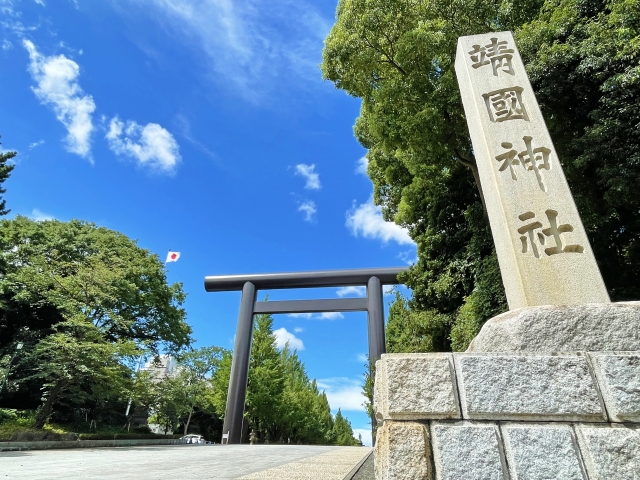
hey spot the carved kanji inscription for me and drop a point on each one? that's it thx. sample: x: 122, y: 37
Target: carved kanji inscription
x: 534, y: 237
x: 542, y: 247
x: 495, y: 53
x: 505, y: 104
x: 532, y: 159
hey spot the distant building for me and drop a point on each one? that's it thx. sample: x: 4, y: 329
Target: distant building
x: 160, y: 368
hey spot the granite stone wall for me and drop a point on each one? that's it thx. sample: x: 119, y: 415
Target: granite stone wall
x: 508, y: 416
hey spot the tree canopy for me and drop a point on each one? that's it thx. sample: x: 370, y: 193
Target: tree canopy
x: 84, y: 300
x: 52, y: 271
x: 398, y: 57
x: 283, y: 404
x: 5, y: 172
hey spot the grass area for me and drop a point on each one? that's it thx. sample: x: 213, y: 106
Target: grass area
x: 17, y: 421
x: 20, y: 421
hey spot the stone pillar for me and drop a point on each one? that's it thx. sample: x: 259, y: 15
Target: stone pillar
x: 544, y: 254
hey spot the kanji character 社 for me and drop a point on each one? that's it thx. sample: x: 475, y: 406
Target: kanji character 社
x: 530, y: 238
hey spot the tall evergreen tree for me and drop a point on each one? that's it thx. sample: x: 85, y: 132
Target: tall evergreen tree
x: 342, y: 431
x: 283, y: 405
x: 5, y: 172
x: 266, y: 380
x: 306, y: 415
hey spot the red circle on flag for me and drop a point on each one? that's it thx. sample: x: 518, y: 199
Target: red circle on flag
x: 173, y: 256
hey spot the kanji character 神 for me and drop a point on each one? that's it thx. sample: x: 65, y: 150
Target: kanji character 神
x: 535, y: 159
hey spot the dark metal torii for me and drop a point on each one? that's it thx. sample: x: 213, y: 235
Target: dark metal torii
x: 372, y: 278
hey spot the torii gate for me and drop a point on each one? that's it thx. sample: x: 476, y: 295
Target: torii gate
x: 372, y: 278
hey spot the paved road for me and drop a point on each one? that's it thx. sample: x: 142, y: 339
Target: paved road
x: 183, y: 462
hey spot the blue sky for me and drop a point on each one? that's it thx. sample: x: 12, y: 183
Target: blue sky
x: 201, y: 126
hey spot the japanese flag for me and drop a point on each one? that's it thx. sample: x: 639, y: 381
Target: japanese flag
x: 172, y: 256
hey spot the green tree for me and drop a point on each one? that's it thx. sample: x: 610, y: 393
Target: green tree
x: 266, y: 380
x: 5, y: 172
x: 342, y: 431
x: 216, y: 398
x: 367, y: 391
x: 170, y: 403
x: 77, y: 354
x: 305, y: 411
x: 282, y: 404
x: 195, y: 369
x: 583, y: 59
x: 398, y: 57
x: 73, y: 283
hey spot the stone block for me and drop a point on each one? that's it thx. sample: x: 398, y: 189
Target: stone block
x: 527, y: 387
x: 467, y: 451
x: 618, y: 376
x: 402, y: 452
x: 415, y: 386
x: 610, y: 452
x: 567, y: 328
x: 542, y: 451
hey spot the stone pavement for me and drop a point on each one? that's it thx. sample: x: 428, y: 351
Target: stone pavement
x: 282, y: 462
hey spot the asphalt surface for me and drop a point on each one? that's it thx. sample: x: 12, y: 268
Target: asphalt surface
x: 281, y: 462
x: 366, y: 471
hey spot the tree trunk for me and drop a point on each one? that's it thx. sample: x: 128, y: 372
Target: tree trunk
x: 471, y: 165
x: 476, y: 177
x: 47, y: 407
x: 186, y: 426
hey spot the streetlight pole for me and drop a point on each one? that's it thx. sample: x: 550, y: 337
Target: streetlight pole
x: 18, y: 348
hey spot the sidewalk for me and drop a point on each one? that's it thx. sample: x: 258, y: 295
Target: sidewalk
x: 250, y: 462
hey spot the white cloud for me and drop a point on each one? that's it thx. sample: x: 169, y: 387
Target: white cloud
x: 366, y: 220
x: 253, y: 46
x: 309, y: 209
x: 6, y: 44
x: 184, y: 127
x: 343, y: 393
x: 409, y: 257
x: 362, y: 357
x: 283, y: 337
x: 36, y: 144
x: 359, y: 291
x: 151, y: 145
x: 40, y: 2
x: 312, y: 178
x: 361, y: 166
x: 57, y: 87
x: 40, y: 216
x: 318, y: 316
x: 366, y: 435
x: 298, y: 330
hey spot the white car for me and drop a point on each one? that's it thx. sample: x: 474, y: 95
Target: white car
x: 192, y: 438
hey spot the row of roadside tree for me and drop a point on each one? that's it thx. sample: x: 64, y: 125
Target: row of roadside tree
x: 80, y: 305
